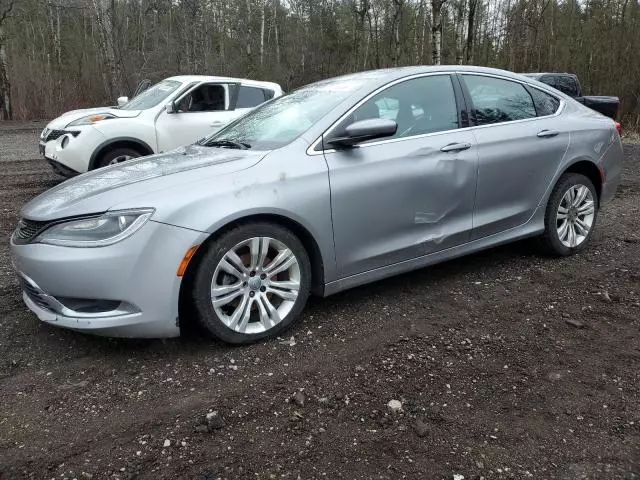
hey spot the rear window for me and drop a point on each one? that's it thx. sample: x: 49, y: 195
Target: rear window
x: 545, y: 104
x: 268, y: 94
x: 249, y: 97
x: 565, y: 83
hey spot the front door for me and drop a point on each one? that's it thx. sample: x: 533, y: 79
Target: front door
x: 521, y: 143
x: 408, y: 195
x: 198, y: 113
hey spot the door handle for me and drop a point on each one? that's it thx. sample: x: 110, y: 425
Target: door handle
x: 216, y: 124
x: 548, y: 133
x: 455, y: 147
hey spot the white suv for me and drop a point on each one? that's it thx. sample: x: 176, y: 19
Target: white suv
x: 175, y: 112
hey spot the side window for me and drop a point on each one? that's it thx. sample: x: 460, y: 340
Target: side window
x: 496, y: 100
x: 545, y: 104
x: 268, y: 94
x: 249, y: 97
x: 205, y: 98
x: 420, y: 105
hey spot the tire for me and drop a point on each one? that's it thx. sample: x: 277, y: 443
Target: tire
x: 117, y: 155
x: 272, y: 307
x: 557, y: 239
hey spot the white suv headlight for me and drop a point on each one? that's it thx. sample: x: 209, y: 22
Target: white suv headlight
x: 91, y: 119
x: 96, y: 231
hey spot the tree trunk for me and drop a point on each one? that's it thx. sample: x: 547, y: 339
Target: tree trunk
x: 115, y: 80
x: 424, y: 30
x: 262, y: 36
x: 436, y: 30
x: 248, y: 39
x: 470, y: 30
x: 395, y: 28
x: 459, y: 26
x: 276, y: 4
x: 5, y: 86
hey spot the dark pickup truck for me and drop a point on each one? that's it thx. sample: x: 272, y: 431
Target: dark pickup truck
x: 569, y: 84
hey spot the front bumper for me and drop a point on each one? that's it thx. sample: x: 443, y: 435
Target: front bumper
x: 71, y: 154
x: 134, y: 282
x: 61, y: 169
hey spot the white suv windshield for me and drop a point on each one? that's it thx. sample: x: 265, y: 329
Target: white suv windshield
x: 153, y: 96
x: 280, y: 121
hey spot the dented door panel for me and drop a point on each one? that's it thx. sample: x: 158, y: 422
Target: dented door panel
x: 401, y: 199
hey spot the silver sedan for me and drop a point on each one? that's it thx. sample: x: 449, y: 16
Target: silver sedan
x: 340, y: 183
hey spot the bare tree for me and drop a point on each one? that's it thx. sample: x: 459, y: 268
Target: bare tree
x: 5, y: 86
x: 436, y: 30
x: 113, y: 78
x: 84, y: 52
x: 473, y: 4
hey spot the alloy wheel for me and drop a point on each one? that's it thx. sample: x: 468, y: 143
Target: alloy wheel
x: 575, y: 215
x: 120, y: 159
x: 255, y: 285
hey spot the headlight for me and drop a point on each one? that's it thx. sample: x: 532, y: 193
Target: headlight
x: 91, y: 119
x: 97, y: 231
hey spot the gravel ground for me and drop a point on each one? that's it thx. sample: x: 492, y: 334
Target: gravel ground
x: 505, y: 364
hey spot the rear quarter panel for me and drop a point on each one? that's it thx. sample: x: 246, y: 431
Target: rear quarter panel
x: 593, y: 139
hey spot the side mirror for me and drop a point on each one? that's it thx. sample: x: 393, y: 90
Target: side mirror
x: 364, y: 130
x: 122, y: 101
x: 170, y: 107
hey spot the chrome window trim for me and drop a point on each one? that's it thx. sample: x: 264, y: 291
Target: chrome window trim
x: 521, y: 82
x: 312, y: 152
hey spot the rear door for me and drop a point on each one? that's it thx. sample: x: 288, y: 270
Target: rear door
x: 245, y: 98
x: 401, y: 197
x: 521, y: 142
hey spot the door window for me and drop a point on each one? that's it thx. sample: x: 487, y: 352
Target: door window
x: 420, y: 105
x: 249, y: 97
x: 496, y: 100
x: 205, y: 98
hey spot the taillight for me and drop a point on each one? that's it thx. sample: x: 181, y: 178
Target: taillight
x: 618, y: 127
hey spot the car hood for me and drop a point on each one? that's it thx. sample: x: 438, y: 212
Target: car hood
x: 66, y: 118
x: 99, y: 190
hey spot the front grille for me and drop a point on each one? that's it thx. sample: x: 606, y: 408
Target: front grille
x: 28, y: 229
x: 54, y: 134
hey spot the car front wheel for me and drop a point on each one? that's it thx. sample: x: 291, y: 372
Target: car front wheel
x: 571, y: 215
x: 251, y: 283
x: 117, y: 155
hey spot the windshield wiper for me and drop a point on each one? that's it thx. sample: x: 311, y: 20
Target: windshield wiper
x: 228, y: 144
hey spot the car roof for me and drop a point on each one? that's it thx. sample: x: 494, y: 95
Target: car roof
x: 213, y: 78
x: 400, y: 72
x: 372, y: 79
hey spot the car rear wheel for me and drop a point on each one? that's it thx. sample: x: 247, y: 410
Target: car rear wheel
x: 117, y: 155
x: 571, y: 215
x: 251, y: 283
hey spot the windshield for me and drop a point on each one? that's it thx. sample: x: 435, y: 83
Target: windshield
x: 280, y: 121
x: 152, y: 96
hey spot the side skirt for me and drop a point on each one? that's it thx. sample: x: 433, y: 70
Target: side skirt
x: 535, y: 226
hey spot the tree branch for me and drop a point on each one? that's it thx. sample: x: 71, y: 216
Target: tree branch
x: 5, y: 13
